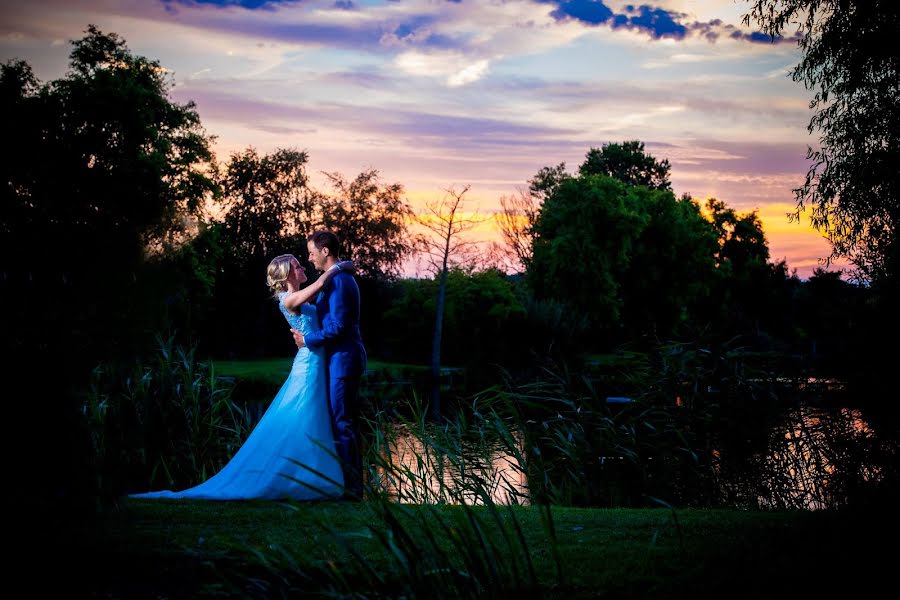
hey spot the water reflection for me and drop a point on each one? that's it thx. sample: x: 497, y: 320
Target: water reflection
x: 812, y: 458
x: 413, y: 471
x: 818, y: 458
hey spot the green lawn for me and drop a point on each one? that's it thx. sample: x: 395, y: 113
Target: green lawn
x: 275, y: 370
x: 172, y: 548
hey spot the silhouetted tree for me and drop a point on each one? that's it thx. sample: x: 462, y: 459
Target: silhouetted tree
x: 743, y: 299
x: 629, y: 163
x: 447, y: 221
x: 372, y: 220
x: 266, y: 198
x: 852, y: 189
x: 107, y: 170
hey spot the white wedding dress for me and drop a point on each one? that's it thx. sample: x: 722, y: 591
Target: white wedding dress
x: 290, y: 454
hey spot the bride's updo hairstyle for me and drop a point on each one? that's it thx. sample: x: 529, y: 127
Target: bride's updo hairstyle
x: 277, y: 272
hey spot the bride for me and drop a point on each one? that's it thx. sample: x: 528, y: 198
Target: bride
x: 290, y: 454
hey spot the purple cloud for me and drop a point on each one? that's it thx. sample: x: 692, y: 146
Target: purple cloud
x: 756, y: 157
x: 252, y: 4
x: 442, y: 130
x: 416, y: 30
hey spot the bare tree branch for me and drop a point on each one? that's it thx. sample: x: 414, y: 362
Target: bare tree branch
x: 446, y: 219
x: 516, y: 222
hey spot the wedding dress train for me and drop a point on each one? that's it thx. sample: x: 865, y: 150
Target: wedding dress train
x: 290, y: 454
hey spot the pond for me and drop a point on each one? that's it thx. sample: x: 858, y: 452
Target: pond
x: 815, y: 451
x: 810, y: 457
x: 813, y: 458
x: 413, y: 470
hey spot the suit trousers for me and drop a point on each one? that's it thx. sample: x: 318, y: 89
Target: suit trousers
x: 344, y: 399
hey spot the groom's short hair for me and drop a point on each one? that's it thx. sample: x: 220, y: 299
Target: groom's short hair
x: 326, y: 239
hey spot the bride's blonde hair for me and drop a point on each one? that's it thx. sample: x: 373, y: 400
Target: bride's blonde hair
x: 278, y: 270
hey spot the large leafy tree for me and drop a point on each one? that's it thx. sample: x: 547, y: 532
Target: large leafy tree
x: 266, y: 198
x: 629, y: 163
x: 371, y: 218
x: 634, y: 260
x: 105, y: 151
x: 105, y: 170
x: 671, y: 268
x: 582, y: 240
x: 849, y: 58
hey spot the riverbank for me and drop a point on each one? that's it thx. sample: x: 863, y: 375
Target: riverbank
x: 174, y: 549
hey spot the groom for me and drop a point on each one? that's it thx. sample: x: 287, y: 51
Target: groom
x: 337, y: 306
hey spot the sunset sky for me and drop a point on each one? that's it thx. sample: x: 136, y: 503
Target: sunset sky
x: 441, y: 93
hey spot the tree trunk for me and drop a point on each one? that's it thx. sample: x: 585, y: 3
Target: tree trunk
x: 434, y: 407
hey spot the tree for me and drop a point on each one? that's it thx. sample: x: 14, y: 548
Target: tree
x: 266, y: 198
x: 852, y: 188
x: 744, y: 297
x: 447, y: 221
x: 633, y: 260
x: 582, y: 241
x: 519, y: 212
x: 671, y: 267
x: 371, y: 219
x: 106, y: 169
x: 628, y: 163
x: 484, y: 321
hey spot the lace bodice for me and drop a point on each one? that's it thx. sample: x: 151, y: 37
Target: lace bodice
x: 306, y: 322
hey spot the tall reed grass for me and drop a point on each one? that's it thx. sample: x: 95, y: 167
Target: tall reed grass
x: 167, y: 422
x: 698, y: 432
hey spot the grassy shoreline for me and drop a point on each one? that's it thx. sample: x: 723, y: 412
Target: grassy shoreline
x: 185, y: 548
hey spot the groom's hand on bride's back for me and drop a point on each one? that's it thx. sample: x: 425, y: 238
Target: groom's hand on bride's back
x: 347, y: 266
x: 298, y: 338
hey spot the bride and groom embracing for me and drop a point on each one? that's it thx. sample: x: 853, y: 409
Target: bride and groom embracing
x: 305, y: 447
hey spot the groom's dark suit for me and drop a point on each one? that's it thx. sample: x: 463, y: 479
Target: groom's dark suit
x: 345, y: 356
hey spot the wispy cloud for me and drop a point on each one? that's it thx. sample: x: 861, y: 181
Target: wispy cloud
x: 434, y: 93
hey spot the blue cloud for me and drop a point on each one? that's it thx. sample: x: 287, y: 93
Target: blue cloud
x: 345, y: 4
x: 415, y: 23
x: 657, y: 22
x: 406, y: 32
x: 758, y: 37
x: 593, y: 12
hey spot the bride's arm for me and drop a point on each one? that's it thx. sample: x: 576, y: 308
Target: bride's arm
x: 293, y: 300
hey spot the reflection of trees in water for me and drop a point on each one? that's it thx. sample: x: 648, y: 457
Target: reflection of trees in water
x: 413, y: 465
x: 807, y: 458
x: 813, y: 458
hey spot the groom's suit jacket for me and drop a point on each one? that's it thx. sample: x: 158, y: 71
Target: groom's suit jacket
x: 338, y: 309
